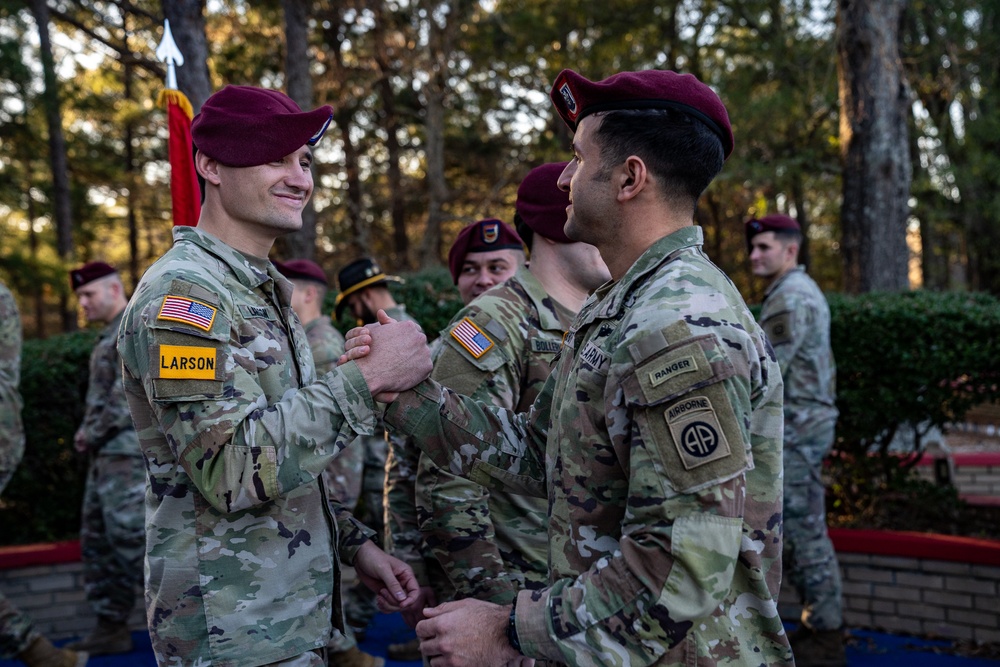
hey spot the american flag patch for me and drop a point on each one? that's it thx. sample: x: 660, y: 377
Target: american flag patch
x: 472, y: 338
x: 188, y: 311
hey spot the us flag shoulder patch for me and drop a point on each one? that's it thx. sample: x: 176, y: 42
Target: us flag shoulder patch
x: 187, y: 311
x: 471, y: 338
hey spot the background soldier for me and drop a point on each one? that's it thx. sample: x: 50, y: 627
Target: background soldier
x: 18, y: 637
x: 796, y: 318
x: 658, y: 435
x: 484, y: 254
x: 112, y: 530
x: 343, y: 474
x: 243, y: 554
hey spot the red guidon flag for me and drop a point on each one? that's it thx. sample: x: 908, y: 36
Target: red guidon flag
x: 184, y: 193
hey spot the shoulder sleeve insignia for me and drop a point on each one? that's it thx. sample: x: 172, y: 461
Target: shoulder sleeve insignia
x: 471, y: 337
x: 187, y: 311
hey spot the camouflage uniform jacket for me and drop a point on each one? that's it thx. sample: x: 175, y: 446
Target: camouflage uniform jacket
x: 11, y: 429
x: 658, y: 438
x: 107, y: 425
x: 796, y: 319
x: 526, y: 329
x: 241, y: 556
x: 325, y: 342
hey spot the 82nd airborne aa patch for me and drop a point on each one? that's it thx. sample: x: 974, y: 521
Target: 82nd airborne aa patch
x: 697, y: 433
x: 471, y: 337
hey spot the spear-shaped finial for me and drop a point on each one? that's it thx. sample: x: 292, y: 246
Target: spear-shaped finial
x: 168, y: 52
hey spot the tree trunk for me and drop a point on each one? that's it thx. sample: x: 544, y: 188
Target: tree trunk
x: 361, y: 232
x: 61, y: 205
x: 437, y: 188
x: 300, y: 244
x: 874, y: 105
x: 187, y: 24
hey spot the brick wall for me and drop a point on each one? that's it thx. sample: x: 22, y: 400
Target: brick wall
x: 895, y: 581
x: 46, y: 582
x: 916, y: 583
x: 976, y: 476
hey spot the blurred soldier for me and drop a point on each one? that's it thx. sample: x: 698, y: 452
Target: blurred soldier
x: 243, y: 553
x: 796, y: 319
x: 484, y: 254
x: 657, y: 438
x: 18, y: 636
x: 342, y: 476
x: 112, y: 530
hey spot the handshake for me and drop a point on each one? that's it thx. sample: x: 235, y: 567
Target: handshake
x: 392, y: 356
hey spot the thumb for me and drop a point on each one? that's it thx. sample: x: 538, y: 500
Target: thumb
x: 383, y: 318
x: 431, y: 612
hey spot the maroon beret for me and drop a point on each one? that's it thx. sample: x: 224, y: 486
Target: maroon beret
x: 356, y: 276
x: 541, y: 204
x: 90, y: 272
x: 302, y: 269
x: 576, y: 97
x: 770, y: 223
x: 244, y: 126
x: 483, y: 236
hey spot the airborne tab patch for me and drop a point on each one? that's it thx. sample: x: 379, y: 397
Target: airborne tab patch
x: 471, y: 338
x: 187, y: 311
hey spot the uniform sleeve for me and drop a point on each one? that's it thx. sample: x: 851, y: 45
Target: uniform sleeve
x: 239, y: 451
x: 787, y: 323
x: 492, y: 446
x: 107, y: 412
x: 684, y: 445
x: 350, y: 531
x: 402, y: 528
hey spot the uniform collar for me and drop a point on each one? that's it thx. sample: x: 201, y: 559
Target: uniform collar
x: 609, y: 300
x: 774, y: 285
x: 548, y: 313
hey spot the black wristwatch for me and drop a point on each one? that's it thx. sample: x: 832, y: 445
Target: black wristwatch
x: 512, y: 628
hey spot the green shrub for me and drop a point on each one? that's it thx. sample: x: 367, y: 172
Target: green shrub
x: 42, y: 502
x: 917, y: 360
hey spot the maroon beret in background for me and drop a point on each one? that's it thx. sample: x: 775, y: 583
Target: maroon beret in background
x: 770, y: 223
x: 356, y: 276
x: 541, y: 204
x: 576, y: 97
x: 482, y: 236
x: 302, y: 269
x: 244, y: 126
x: 90, y: 272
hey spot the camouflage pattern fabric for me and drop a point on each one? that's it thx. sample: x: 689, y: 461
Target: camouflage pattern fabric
x: 241, y: 546
x: 493, y: 544
x: 16, y: 629
x: 112, y: 527
x: 326, y: 343
x: 796, y: 318
x: 658, y: 440
x: 11, y: 428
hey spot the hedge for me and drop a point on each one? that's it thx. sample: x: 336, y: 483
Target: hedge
x: 917, y: 359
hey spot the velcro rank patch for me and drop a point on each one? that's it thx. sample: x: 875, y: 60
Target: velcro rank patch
x: 187, y: 311
x: 697, y: 433
x: 471, y: 337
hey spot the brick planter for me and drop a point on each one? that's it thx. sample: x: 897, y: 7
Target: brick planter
x: 916, y: 583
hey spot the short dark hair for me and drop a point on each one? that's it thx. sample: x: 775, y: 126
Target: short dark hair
x: 788, y: 235
x: 679, y: 149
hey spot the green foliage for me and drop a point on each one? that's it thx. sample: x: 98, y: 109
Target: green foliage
x: 42, y: 502
x: 909, y: 361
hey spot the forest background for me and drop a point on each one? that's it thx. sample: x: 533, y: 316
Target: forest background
x: 872, y: 123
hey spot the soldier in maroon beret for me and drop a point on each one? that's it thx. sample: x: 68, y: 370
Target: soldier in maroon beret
x: 657, y: 437
x: 484, y: 254
x: 236, y: 424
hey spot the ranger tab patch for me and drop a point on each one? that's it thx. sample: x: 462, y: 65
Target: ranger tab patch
x: 187, y: 311
x: 471, y: 337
